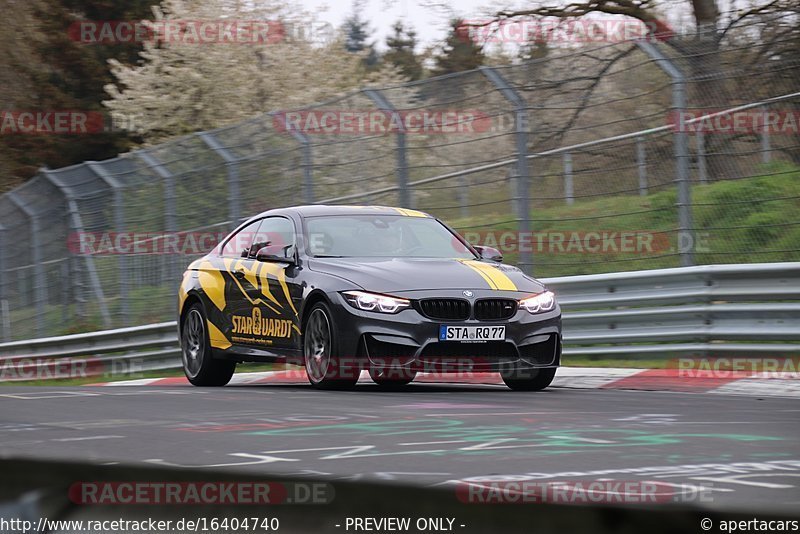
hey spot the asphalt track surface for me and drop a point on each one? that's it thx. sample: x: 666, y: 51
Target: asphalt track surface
x: 716, y: 451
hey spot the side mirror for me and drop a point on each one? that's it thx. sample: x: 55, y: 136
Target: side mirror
x: 489, y: 253
x: 281, y: 253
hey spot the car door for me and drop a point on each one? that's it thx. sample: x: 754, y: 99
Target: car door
x: 270, y: 288
x: 222, y: 284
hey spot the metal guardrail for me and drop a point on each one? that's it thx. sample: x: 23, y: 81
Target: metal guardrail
x: 703, y: 310
x: 123, y: 351
x: 710, y: 309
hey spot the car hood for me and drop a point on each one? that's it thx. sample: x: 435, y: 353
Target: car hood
x: 394, y: 275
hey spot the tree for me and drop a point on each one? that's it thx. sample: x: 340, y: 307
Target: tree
x: 460, y: 51
x: 401, y: 53
x: 357, y: 32
x: 43, y: 68
x: 705, y: 60
x: 181, y: 88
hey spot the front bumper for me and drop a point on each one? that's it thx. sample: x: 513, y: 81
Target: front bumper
x: 410, y: 340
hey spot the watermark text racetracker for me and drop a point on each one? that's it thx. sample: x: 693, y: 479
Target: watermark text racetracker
x: 186, y: 32
x: 378, y: 122
x: 588, y: 29
x: 29, y: 368
x: 603, y: 491
x: 742, y: 122
x: 148, y: 525
x: 200, y: 493
x: 63, y: 122
x: 583, y: 242
x: 506, y: 241
x: 736, y: 366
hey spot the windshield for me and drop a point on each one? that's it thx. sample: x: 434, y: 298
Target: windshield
x: 382, y: 236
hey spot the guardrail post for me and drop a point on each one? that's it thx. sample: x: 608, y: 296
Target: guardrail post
x: 686, y: 238
x: 521, y: 200
x: 76, y: 224
x: 5, y: 320
x: 569, y: 195
x: 308, y: 160
x: 40, y: 282
x: 463, y: 197
x: 702, y: 169
x: 117, y: 189
x: 404, y: 194
x: 766, y: 149
x: 641, y: 164
x: 232, y: 164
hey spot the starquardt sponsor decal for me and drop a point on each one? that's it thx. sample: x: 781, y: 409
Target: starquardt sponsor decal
x: 257, y: 325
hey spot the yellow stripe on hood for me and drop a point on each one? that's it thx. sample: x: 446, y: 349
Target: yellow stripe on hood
x: 410, y: 213
x: 496, y: 278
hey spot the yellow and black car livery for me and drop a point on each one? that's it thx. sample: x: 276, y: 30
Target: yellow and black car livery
x: 341, y: 289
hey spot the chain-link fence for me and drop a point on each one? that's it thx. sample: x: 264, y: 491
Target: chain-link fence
x: 629, y: 155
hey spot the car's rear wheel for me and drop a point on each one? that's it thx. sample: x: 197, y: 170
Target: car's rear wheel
x: 534, y: 379
x: 198, y: 364
x: 389, y: 377
x: 324, y: 366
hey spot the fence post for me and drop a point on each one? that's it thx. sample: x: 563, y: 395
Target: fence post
x: 766, y: 149
x: 568, y: 189
x: 308, y: 160
x: 170, y: 210
x: 686, y: 241
x: 521, y: 200
x: 76, y: 224
x: 702, y: 170
x: 404, y: 194
x: 641, y: 164
x: 39, y: 281
x: 117, y: 190
x: 232, y: 164
x: 5, y: 320
x: 463, y: 197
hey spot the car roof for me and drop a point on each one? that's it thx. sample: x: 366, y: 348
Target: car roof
x: 320, y: 210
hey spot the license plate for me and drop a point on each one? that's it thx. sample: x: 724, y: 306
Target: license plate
x: 472, y: 333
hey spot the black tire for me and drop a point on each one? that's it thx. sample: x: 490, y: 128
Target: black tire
x: 529, y: 379
x: 324, y: 367
x: 391, y: 377
x: 198, y: 364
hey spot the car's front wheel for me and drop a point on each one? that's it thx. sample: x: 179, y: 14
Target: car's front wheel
x: 198, y: 364
x: 534, y: 379
x: 324, y: 366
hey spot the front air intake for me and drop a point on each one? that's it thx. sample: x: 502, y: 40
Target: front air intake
x: 445, y: 309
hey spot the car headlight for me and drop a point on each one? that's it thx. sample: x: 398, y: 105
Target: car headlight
x: 542, y: 302
x: 377, y: 303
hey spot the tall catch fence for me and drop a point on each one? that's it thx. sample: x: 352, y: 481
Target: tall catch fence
x: 614, y: 157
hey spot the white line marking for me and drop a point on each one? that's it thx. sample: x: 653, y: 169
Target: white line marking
x: 87, y: 438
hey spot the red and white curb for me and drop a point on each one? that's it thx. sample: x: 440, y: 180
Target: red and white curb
x: 728, y: 383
